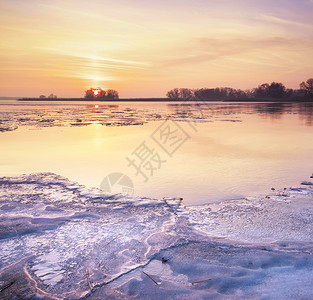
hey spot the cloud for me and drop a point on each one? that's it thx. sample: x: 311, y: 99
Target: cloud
x: 209, y: 49
x: 94, y: 61
x: 278, y: 20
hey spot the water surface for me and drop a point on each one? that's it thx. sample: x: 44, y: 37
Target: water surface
x: 219, y: 150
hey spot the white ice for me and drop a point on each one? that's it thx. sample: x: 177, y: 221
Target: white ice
x: 254, y: 248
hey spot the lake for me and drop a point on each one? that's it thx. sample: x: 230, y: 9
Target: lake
x: 201, y: 152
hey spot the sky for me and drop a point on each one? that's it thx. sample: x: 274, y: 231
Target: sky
x: 143, y: 48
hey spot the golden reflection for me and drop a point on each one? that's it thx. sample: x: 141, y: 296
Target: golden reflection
x: 247, y: 157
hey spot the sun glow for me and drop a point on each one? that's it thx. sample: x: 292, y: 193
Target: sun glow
x: 97, y: 92
x: 243, y: 45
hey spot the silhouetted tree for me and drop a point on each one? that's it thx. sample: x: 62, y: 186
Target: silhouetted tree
x: 173, y: 94
x: 52, y: 96
x: 274, y: 90
x: 185, y: 94
x: 248, y: 93
x: 219, y: 93
x: 181, y: 94
x: 100, y: 94
x: 298, y: 93
x: 230, y: 93
x: 89, y: 94
x: 277, y: 90
x: 112, y: 94
x: 307, y: 87
x: 261, y: 91
x: 289, y: 93
x: 206, y: 94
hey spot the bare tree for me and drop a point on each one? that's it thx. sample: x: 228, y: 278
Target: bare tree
x: 112, y: 94
x: 185, y: 94
x: 261, y: 91
x: 307, y: 87
x: 180, y: 94
x: 273, y: 90
x: 89, y: 94
x: 173, y: 94
x: 101, y: 94
x: 277, y: 90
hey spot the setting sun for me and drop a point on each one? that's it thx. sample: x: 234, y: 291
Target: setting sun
x: 144, y: 49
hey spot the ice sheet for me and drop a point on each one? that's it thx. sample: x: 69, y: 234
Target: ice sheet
x: 71, y: 242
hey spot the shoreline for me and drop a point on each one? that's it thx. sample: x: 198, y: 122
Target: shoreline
x: 285, y: 100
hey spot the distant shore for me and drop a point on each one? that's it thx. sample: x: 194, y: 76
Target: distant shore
x: 172, y: 100
x: 101, y: 100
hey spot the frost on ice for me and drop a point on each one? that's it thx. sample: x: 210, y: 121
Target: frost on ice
x: 60, y: 240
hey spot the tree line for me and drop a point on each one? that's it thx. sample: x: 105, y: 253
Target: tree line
x: 101, y: 94
x: 275, y: 90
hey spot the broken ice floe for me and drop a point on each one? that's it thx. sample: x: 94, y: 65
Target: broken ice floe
x: 81, y: 242
x: 106, y: 115
x: 8, y: 127
x: 307, y: 183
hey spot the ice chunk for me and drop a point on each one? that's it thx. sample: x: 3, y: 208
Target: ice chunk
x: 307, y: 183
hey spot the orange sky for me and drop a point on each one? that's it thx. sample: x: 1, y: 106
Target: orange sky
x: 144, y: 48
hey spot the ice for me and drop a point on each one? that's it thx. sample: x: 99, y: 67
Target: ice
x: 72, y: 242
x: 7, y: 127
x: 258, y: 219
x: 36, y: 117
x: 54, y: 218
x: 307, y: 183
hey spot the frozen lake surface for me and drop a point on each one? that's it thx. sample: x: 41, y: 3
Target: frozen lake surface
x: 200, y: 152
x: 61, y: 240
x: 156, y: 201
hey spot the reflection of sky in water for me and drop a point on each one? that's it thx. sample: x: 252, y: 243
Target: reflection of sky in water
x: 233, y: 150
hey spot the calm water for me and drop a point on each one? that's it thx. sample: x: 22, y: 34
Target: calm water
x: 202, y: 153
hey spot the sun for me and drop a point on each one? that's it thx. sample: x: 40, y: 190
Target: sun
x: 97, y: 91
